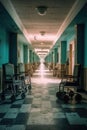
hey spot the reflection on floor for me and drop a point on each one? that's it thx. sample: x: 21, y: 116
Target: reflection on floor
x: 43, y: 75
x: 41, y: 110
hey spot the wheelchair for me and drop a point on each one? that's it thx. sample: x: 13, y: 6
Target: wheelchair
x: 25, y: 76
x: 69, y: 85
x: 13, y: 85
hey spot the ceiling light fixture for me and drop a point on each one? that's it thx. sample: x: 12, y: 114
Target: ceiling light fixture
x: 41, y: 10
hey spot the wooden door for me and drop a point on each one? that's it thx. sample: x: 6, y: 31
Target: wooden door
x: 71, y: 57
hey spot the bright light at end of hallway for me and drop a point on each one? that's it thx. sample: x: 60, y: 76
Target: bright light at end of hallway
x: 42, y: 70
x: 43, y: 75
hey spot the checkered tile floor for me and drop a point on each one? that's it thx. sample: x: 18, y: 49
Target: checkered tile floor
x: 41, y: 110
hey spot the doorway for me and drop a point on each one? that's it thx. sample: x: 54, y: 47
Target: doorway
x: 71, y: 57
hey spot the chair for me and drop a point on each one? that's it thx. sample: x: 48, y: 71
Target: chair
x: 11, y: 82
x: 71, y: 80
x: 61, y: 70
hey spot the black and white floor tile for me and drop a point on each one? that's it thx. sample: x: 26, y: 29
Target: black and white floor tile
x: 41, y: 110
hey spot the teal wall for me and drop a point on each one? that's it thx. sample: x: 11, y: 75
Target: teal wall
x: 63, y: 52
x: 7, y: 26
x: 4, y: 46
x: 20, y: 52
x: 25, y: 53
x: 55, y: 55
x: 14, y: 47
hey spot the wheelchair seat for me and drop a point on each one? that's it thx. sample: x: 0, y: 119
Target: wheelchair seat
x: 72, y: 80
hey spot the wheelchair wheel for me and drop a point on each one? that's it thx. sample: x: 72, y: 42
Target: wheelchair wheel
x: 71, y: 94
x: 2, y: 97
x: 60, y: 95
x: 66, y: 98
x: 78, y: 98
x: 29, y: 86
x: 12, y: 98
x: 25, y: 89
x: 23, y: 95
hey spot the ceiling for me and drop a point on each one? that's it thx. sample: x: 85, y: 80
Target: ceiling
x: 42, y: 31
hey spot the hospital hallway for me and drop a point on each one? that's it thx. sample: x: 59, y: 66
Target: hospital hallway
x: 41, y: 110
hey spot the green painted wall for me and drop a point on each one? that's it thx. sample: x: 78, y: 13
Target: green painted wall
x: 4, y: 46
x: 56, y: 55
x: 20, y: 52
x: 25, y: 53
x: 63, y: 52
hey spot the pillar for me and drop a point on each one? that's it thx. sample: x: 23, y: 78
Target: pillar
x: 25, y: 55
x: 31, y: 56
x: 55, y: 55
x: 80, y: 44
x: 63, y: 52
x: 13, y: 49
x: 80, y: 41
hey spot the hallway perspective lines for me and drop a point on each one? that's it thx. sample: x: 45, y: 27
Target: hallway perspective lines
x: 40, y: 110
